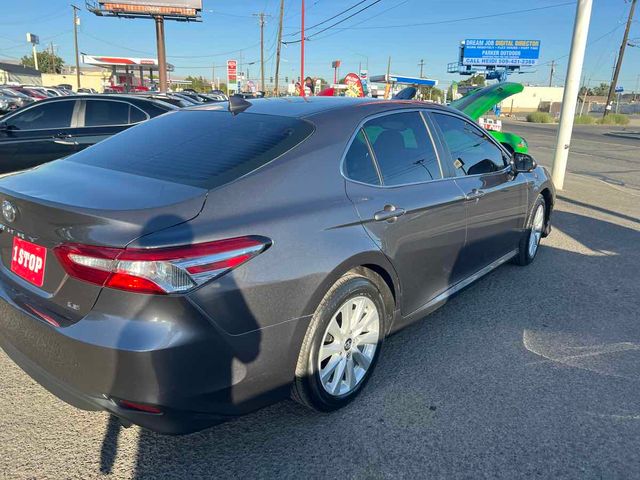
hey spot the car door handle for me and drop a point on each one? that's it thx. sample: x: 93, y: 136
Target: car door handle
x: 475, y: 194
x: 389, y: 214
x: 62, y: 139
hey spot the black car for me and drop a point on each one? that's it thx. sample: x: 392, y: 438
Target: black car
x: 60, y: 126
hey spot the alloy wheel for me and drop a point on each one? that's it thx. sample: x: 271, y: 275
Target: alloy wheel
x: 536, y: 230
x: 349, y: 345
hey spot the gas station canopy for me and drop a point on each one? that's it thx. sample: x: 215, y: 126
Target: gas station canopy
x: 403, y: 80
x: 100, y: 61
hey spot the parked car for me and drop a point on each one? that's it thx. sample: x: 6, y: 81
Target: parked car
x: 19, y: 97
x: 57, y: 127
x: 207, y: 263
x: 8, y: 103
x: 34, y: 94
x: 477, y: 102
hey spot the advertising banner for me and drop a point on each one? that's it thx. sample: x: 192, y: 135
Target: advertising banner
x: 354, y: 85
x: 506, y: 53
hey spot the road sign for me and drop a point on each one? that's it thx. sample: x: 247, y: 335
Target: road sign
x: 33, y: 39
x: 500, y: 52
x: 232, y: 75
x: 619, y: 89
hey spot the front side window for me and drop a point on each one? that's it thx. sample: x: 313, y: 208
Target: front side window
x: 403, y: 148
x: 358, y: 164
x: 103, y: 113
x: 44, y: 116
x: 472, y: 153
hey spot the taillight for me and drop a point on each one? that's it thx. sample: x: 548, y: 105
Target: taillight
x: 158, y: 270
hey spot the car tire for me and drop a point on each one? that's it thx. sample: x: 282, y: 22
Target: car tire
x: 530, y: 241
x: 336, y: 360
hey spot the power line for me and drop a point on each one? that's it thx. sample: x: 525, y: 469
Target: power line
x: 328, y: 19
x: 455, y: 20
x: 339, y: 30
x: 334, y: 24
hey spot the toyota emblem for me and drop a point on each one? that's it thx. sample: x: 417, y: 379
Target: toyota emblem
x: 8, y: 211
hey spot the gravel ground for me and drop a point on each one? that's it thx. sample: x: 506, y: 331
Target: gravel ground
x: 531, y: 372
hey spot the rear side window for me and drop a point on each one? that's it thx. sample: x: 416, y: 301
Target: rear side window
x: 202, y: 148
x: 472, y: 153
x: 44, y: 116
x: 103, y: 112
x: 403, y: 148
x: 358, y: 164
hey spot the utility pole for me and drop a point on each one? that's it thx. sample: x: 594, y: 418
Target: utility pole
x: 279, y: 46
x: 623, y: 45
x: 302, y: 93
x: 387, y: 88
x: 162, y: 54
x: 261, y: 22
x: 52, y: 58
x: 76, y: 21
x: 213, y: 77
x: 571, y: 87
x: 553, y: 69
x: 421, y: 66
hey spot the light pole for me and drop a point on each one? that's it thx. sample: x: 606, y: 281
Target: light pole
x: 76, y: 22
x: 571, y: 88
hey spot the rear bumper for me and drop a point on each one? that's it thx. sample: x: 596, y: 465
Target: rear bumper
x: 169, y: 356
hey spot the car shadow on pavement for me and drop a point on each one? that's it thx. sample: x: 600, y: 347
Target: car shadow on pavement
x: 457, y: 390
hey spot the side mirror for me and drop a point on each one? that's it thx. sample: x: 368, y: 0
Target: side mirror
x: 522, y: 163
x: 4, y: 127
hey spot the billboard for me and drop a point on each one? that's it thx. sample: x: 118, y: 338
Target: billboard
x: 171, y: 8
x: 511, y: 53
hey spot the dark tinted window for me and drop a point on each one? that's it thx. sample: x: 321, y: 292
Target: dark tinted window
x: 43, y: 116
x: 472, y: 152
x: 104, y: 112
x: 403, y: 148
x: 358, y: 164
x: 203, y: 148
x: 136, y: 115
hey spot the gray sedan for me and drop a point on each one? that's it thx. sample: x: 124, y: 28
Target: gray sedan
x: 218, y: 258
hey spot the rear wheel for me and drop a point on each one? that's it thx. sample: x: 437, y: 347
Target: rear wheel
x: 531, y: 237
x: 342, y: 344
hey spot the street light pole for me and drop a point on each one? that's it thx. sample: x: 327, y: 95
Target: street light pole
x: 571, y: 89
x: 76, y: 20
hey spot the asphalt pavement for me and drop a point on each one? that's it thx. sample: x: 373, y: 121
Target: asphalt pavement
x: 530, y: 373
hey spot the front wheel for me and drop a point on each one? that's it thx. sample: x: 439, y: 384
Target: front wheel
x: 530, y: 241
x: 342, y: 344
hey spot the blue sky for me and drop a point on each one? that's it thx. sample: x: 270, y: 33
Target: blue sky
x: 229, y: 30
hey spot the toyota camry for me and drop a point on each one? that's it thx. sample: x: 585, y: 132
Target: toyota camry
x: 216, y: 259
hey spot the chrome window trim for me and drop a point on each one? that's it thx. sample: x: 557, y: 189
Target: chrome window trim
x: 82, y: 124
x: 383, y: 114
x: 38, y: 104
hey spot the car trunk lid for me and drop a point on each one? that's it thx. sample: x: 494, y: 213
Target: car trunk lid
x: 64, y: 202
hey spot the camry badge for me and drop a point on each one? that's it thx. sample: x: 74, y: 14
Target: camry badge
x: 8, y: 211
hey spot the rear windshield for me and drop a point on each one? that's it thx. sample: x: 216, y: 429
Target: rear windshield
x: 201, y: 148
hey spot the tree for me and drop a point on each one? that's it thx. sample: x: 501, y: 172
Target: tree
x: 47, y: 62
x: 199, y: 84
x: 474, y: 80
x: 433, y: 93
x: 601, y: 90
